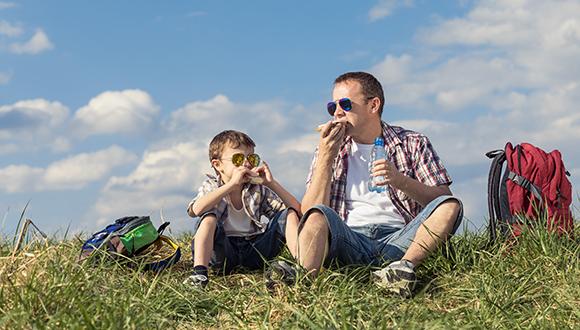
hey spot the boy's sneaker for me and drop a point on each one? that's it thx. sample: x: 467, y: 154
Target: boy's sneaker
x: 398, y: 277
x: 197, y: 280
x: 281, y: 271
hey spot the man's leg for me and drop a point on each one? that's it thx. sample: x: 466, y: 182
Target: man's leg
x: 438, y: 220
x: 323, y: 236
x: 435, y: 230
x: 313, y: 242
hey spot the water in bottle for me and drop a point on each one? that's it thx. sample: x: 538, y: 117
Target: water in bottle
x: 378, y: 152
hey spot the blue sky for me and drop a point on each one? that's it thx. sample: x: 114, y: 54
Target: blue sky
x: 106, y: 108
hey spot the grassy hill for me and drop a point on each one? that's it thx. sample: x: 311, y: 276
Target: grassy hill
x: 533, y: 284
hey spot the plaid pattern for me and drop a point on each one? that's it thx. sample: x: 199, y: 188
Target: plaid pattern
x: 260, y: 203
x: 412, y: 154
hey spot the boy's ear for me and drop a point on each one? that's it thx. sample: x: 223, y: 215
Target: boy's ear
x: 215, y: 163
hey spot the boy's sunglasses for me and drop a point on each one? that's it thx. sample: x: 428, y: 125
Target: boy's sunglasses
x: 239, y: 158
x: 345, y: 103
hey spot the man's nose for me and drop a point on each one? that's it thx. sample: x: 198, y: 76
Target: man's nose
x: 339, y: 112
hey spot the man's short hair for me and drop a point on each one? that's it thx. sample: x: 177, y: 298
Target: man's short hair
x: 370, y: 86
x: 234, y: 138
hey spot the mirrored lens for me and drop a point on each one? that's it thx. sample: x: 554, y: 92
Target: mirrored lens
x: 331, y: 107
x: 238, y: 159
x: 345, y: 104
x: 254, y: 160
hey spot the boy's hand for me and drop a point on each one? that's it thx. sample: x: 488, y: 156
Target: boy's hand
x: 265, y: 174
x: 240, y: 176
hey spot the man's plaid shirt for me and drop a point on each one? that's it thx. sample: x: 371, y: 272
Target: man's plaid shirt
x: 412, y: 154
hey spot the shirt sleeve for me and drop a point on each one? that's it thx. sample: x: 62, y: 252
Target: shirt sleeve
x: 272, y: 203
x: 209, y: 185
x: 428, y: 166
x: 312, y: 165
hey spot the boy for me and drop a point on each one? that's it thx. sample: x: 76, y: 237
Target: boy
x: 241, y: 223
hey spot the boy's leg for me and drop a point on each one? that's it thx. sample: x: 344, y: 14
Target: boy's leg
x: 202, y: 250
x: 268, y: 244
x: 291, y: 232
x: 203, y: 241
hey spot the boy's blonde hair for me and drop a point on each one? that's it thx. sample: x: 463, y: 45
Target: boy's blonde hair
x: 234, y: 138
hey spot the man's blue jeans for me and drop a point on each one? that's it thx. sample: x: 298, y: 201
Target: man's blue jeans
x: 373, y: 244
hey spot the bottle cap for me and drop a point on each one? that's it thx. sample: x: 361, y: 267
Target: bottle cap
x: 379, y: 141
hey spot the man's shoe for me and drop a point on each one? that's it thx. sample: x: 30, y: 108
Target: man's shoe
x: 281, y: 271
x: 197, y: 281
x: 398, y: 277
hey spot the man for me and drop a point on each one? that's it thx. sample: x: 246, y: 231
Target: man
x: 344, y: 221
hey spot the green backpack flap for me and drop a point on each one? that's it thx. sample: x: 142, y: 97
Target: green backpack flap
x: 137, y: 235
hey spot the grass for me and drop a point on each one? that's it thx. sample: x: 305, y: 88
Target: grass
x: 532, y: 284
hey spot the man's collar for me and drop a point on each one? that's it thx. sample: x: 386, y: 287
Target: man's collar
x: 390, y: 136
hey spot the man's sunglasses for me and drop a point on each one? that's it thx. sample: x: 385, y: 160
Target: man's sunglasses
x: 239, y: 158
x: 345, y: 103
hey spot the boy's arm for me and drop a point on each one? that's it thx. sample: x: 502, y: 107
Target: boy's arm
x: 208, y: 201
x: 287, y: 198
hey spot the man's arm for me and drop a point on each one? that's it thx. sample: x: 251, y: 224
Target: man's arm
x: 418, y: 191
x: 428, y: 168
x: 318, y: 191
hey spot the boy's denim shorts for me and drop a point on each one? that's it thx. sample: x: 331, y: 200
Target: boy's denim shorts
x: 373, y: 244
x: 231, y: 252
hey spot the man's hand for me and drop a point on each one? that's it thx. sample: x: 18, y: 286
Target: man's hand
x: 387, y: 169
x: 331, y: 138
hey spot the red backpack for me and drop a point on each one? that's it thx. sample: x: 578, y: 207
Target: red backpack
x: 534, y: 182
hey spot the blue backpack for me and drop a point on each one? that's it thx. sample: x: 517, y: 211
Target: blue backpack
x: 133, y: 237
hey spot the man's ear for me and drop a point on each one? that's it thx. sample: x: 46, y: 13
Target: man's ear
x: 375, y: 104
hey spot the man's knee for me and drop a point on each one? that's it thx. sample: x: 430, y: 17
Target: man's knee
x: 449, y: 213
x: 451, y: 207
x: 314, y: 223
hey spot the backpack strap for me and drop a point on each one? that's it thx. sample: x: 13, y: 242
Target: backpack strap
x: 170, y: 260
x: 161, y: 228
x: 526, y: 184
x: 498, y: 158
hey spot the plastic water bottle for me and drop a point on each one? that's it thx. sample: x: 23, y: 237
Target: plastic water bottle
x: 378, y: 152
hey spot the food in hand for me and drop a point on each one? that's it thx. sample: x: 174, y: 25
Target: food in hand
x: 256, y: 180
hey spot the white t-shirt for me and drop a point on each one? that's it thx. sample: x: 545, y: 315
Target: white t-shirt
x: 366, y: 207
x: 238, y: 223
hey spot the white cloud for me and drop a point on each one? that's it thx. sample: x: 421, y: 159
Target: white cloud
x: 32, y: 114
x: 4, y: 78
x: 71, y: 173
x: 37, y: 44
x: 385, y: 8
x: 507, y: 71
x: 17, y: 178
x: 32, y: 125
x: 116, y: 112
x: 6, y: 5
x: 164, y: 179
x: 9, y: 30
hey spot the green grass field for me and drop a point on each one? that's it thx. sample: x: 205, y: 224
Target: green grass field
x: 534, y: 284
